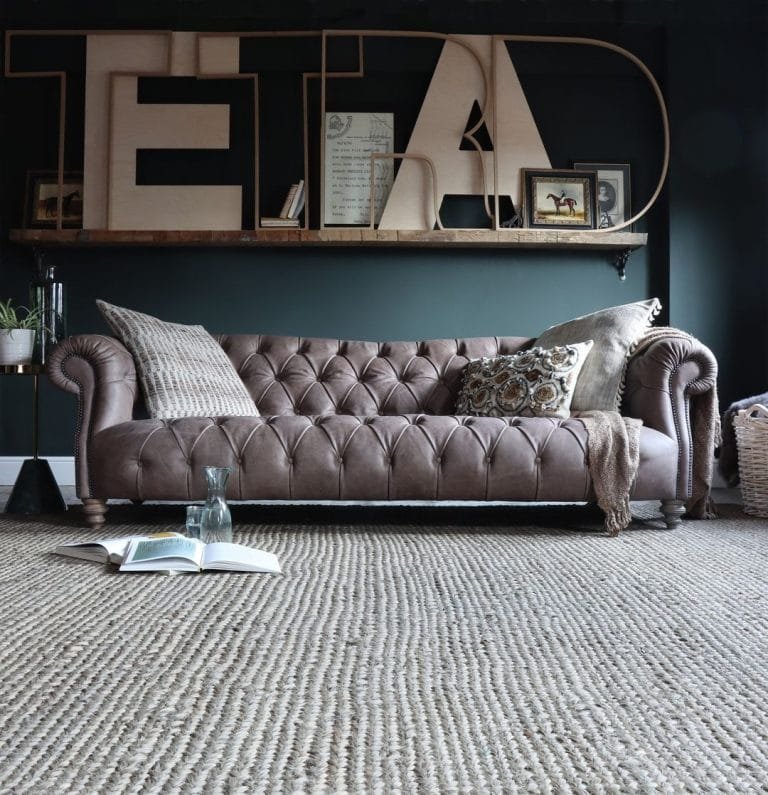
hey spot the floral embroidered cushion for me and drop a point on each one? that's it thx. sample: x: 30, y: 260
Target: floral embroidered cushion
x: 537, y: 382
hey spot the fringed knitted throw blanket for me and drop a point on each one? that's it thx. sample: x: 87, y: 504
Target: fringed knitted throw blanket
x: 613, y: 448
x: 613, y: 455
x: 705, y: 426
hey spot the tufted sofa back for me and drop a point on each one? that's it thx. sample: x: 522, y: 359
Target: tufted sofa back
x: 300, y: 375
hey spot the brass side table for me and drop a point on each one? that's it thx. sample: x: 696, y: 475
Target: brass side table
x: 35, y: 490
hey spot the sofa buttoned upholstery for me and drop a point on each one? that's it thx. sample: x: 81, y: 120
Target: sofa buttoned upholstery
x: 350, y: 420
x: 292, y: 375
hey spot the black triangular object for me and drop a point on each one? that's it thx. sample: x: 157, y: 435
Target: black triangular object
x: 481, y: 135
x: 35, y: 490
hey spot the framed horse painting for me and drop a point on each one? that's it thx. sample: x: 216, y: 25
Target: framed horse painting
x: 41, y: 206
x: 559, y: 199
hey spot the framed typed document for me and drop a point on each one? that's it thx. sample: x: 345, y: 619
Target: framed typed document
x: 350, y: 140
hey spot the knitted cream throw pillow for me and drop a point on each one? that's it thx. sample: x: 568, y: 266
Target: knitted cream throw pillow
x: 183, y: 371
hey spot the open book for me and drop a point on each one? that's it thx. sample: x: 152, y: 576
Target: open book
x: 189, y: 554
x: 108, y: 550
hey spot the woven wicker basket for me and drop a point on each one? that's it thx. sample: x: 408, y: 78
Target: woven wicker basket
x: 751, y: 426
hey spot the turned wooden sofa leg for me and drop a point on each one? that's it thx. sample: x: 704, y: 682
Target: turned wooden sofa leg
x: 94, y: 510
x: 673, y: 511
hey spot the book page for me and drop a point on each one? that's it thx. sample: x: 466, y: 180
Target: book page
x: 236, y: 557
x: 105, y: 550
x: 162, y: 553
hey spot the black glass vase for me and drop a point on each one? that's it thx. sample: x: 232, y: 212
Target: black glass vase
x: 47, y: 293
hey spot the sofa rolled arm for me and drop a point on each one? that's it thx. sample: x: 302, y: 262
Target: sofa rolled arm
x: 671, y: 385
x: 100, y: 371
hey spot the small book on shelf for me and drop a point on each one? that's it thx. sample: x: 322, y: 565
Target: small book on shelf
x: 108, y: 550
x: 289, y: 197
x: 190, y: 554
x: 297, y: 202
x: 299, y: 207
x: 267, y: 220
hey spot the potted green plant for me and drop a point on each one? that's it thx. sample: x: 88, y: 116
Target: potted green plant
x: 18, y: 326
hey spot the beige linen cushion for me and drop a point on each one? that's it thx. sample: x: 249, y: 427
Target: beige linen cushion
x: 182, y: 370
x: 615, y: 332
x: 538, y: 382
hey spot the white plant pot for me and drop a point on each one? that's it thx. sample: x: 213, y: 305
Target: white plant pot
x: 16, y: 345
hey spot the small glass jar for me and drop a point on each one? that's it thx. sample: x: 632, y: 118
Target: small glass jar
x: 194, y: 520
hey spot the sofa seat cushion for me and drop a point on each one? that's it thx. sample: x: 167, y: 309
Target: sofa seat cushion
x: 330, y: 457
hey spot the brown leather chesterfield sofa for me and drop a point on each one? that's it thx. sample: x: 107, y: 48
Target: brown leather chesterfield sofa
x: 346, y: 420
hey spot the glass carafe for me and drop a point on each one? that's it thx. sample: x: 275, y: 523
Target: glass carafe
x: 216, y: 523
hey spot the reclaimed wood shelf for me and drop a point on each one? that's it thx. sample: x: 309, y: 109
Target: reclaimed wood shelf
x: 512, y: 238
x: 21, y: 369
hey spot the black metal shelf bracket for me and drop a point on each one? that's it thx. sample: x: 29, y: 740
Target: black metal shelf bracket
x: 620, y: 259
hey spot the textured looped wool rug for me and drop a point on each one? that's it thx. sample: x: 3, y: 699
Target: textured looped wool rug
x: 392, y: 658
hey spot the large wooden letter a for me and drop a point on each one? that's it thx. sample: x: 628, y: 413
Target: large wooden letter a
x: 455, y: 86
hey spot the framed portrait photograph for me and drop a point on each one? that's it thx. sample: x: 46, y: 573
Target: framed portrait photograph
x: 613, y: 192
x: 41, y: 204
x: 558, y: 199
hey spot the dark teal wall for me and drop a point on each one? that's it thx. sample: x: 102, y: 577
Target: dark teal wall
x: 696, y: 261
x: 718, y: 189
